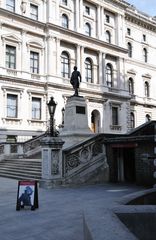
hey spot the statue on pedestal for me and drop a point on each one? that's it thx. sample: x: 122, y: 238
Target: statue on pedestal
x: 75, y: 80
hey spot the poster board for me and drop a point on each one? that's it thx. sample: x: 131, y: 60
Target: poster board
x: 27, y: 195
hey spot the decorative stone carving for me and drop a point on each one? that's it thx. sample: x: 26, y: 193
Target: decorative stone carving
x: 72, y: 162
x: 23, y: 6
x: 96, y: 149
x: 84, y: 155
x: 55, y: 162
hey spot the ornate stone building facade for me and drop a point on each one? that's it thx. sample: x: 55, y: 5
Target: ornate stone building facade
x: 112, y: 44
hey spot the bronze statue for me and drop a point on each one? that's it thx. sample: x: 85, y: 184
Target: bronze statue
x: 75, y: 80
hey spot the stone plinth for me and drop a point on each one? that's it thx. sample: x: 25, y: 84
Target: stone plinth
x: 51, y: 160
x: 75, y: 121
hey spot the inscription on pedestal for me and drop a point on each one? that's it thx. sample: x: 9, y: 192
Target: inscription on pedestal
x: 80, y: 110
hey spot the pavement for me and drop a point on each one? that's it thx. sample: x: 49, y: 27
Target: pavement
x: 75, y: 213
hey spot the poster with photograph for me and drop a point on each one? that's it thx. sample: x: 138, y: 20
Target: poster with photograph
x: 27, y: 195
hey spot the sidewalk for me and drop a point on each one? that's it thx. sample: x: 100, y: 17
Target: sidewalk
x: 63, y: 213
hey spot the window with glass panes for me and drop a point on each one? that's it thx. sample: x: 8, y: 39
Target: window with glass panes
x: 132, y: 119
x: 10, y: 57
x: 64, y: 21
x: 131, y: 86
x: 88, y: 70
x: 34, y: 62
x: 87, y: 10
x: 147, y: 93
x: 114, y: 115
x: 148, y: 118
x: 109, y: 75
x: 87, y: 29
x: 108, y: 37
x: 12, y: 105
x: 145, y: 55
x: 65, y: 65
x: 36, y: 108
x: 34, y: 12
x: 10, y: 5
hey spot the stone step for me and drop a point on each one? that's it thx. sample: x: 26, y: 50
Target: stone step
x: 21, y: 161
x: 14, y: 166
x: 21, y: 169
x: 19, y: 177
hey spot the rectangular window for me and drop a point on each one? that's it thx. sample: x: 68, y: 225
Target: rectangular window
x: 107, y: 19
x: 114, y: 115
x: 34, y: 12
x: 10, y: 5
x: 87, y: 10
x: 144, y: 37
x: 10, y: 57
x: 12, y: 105
x: 36, y: 108
x: 34, y: 62
x: 128, y: 31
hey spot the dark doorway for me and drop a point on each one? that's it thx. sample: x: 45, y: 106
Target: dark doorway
x: 129, y: 164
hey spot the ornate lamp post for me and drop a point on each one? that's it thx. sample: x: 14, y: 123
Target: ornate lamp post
x: 51, y: 107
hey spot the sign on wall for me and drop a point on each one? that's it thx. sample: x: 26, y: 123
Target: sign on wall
x: 27, y: 195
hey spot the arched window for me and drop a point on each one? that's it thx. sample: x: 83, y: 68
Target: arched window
x: 64, y: 21
x: 129, y: 46
x: 88, y: 70
x: 132, y: 119
x: 131, y: 86
x: 148, y: 118
x: 147, y: 93
x: 109, y: 75
x: 87, y: 29
x: 108, y: 37
x: 65, y: 65
x: 145, y: 55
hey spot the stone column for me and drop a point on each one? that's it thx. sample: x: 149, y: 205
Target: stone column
x: 103, y: 68
x: 51, y: 45
x: 121, y: 73
x: 81, y: 15
x: 95, y: 74
x: 100, y: 64
x: 120, y: 31
x: 82, y: 65
x: 24, y: 60
x: 102, y: 23
x: 57, y: 13
x: 58, y: 56
x: 78, y: 57
x: 51, y: 161
x: 77, y: 19
x: 98, y: 22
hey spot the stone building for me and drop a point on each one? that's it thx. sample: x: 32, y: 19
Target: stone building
x: 112, y: 44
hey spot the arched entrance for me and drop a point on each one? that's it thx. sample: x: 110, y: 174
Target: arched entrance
x: 95, y: 121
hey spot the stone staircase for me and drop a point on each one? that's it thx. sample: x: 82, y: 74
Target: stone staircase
x: 21, y: 169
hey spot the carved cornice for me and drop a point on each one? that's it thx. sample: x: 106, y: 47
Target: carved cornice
x: 140, y: 21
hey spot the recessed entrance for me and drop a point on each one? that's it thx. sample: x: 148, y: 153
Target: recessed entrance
x: 95, y: 121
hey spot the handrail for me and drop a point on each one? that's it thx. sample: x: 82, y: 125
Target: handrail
x: 78, y: 157
x: 32, y: 143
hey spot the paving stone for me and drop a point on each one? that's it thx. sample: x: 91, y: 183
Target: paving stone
x: 61, y: 213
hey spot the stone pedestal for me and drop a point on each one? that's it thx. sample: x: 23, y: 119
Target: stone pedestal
x: 75, y: 121
x: 51, y: 161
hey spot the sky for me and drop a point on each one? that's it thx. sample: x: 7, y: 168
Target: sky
x: 147, y: 6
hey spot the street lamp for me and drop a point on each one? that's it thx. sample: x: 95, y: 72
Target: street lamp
x: 51, y: 107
